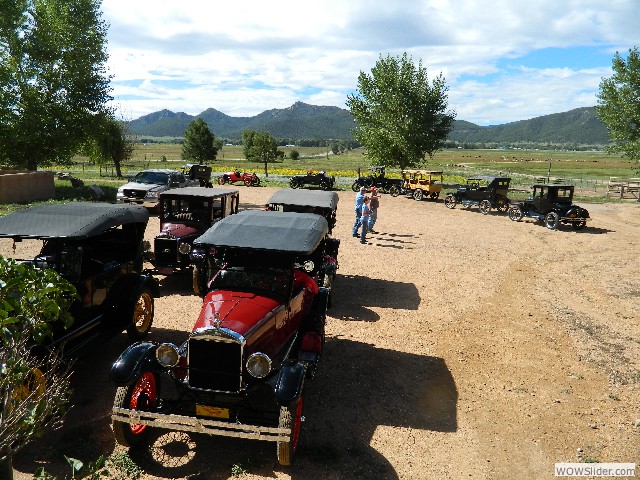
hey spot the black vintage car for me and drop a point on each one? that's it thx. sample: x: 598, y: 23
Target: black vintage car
x: 320, y: 203
x: 377, y: 179
x: 198, y: 173
x: 320, y: 179
x: 185, y: 214
x: 97, y: 247
x: 241, y: 372
x: 485, y: 191
x: 553, y: 205
x: 312, y: 201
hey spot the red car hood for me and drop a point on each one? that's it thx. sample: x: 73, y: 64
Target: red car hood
x: 178, y: 229
x: 240, y: 312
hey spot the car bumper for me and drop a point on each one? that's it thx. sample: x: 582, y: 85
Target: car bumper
x: 145, y: 202
x: 185, y: 423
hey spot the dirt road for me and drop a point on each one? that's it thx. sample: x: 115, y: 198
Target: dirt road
x: 459, y: 346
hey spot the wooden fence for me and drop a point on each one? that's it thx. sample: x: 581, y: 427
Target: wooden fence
x: 624, y: 188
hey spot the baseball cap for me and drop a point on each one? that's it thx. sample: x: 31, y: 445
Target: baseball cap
x: 363, y: 189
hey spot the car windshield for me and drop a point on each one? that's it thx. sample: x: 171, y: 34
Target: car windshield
x: 264, y: 281
x: 157, y: 178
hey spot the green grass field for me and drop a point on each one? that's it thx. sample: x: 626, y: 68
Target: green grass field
x: 578, y: 166
x: 589, y: 171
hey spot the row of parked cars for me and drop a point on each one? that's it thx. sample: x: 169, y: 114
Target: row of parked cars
x: 549, y: 203
x: 265, y: 279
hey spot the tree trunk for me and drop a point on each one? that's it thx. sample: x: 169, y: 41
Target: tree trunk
x: 6, y: 465
x: 118, y: 168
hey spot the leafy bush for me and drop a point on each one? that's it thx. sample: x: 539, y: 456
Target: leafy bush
x: 34, y: 382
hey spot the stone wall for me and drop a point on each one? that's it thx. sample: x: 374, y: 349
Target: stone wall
x: 22, y: 186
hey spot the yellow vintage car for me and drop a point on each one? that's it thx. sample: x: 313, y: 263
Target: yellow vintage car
x: 422, y: 183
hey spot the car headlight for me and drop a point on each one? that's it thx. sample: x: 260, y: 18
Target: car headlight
x: 167, y: 355
x: 259, y: 365
x: 184, y: 248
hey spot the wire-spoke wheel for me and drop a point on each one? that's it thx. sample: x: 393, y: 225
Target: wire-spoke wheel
x: 515, y: 213
x: 450, y: 201
x: 579, y: 225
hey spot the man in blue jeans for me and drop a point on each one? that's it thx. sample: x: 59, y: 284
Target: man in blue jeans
x: 358, y: 210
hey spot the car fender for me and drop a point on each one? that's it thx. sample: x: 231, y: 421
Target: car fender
x: 290, y: 382
x: 130, y: 364
x: 579, y: 211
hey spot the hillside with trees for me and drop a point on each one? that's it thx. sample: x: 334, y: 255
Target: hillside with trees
x: 575, y: 128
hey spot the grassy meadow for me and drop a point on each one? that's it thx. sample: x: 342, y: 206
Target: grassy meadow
x: 589, y: 171
x: 522, y: 165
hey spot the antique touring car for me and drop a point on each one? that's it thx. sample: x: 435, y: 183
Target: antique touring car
x: 249, y: 179
x: 97, y: 247
x: 377, y: 179
x: 318, y: 202
x: 321, y: 179
x: 486, y: 192
x: 185, y: 214
x: 241, y: 371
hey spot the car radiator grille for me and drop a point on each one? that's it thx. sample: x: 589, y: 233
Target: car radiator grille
x: 166, y: 251
x: 129, y: 193
x: 215, y: 364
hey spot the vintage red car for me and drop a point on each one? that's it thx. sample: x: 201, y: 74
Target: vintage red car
x: 241, y: 372
x: 249, y: 179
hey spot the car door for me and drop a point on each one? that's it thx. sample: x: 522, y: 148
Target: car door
x: 541, y: 201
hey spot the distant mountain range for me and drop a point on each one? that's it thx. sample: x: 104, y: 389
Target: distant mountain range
x: 301, y: 121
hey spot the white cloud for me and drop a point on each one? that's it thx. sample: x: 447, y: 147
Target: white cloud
x: 244, y: 57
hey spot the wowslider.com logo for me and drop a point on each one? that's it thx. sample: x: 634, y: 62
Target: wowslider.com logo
x: 595, y: 469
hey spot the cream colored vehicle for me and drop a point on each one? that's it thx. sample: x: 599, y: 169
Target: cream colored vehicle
x: 422, y: 183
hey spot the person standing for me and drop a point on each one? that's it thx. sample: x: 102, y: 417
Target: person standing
x: 358, y: 210
x: 375, y: 203
x: 364, y: 219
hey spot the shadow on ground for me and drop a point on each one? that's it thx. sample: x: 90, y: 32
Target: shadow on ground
x: 354, y: 295
x: 356, y: 390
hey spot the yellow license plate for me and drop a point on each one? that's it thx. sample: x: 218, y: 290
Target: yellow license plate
x: 215, y: 412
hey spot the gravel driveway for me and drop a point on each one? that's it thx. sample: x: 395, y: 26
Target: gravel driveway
x: 459, y: 346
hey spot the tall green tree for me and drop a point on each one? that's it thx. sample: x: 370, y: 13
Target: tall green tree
x: 199, y: 142
x: 401, y: 117
x: 247, y: 142
x: 53, y: 82
x: 112, y: 143
x: 263, y: 147
x: 619, y: 104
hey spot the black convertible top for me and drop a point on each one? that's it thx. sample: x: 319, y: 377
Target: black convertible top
x: 69, y: 220
x: 198, y: 192
x: 305, y: 198
x: 263, y: 230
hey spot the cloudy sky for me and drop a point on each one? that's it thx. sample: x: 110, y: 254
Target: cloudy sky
x: 502, y: 60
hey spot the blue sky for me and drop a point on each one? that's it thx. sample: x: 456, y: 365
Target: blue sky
x: 503, y: 61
